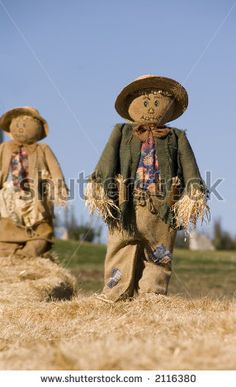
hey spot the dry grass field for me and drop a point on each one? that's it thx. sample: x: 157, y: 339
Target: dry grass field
x: 192, y: 328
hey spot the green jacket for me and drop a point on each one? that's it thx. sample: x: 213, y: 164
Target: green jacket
x: 121, y: 157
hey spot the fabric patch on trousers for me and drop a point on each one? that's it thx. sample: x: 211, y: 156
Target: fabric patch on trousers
x: 115, y: 278
x: 161, y: 255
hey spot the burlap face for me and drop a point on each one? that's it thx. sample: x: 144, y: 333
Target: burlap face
x: 152, y: 108
x: 26, y: 129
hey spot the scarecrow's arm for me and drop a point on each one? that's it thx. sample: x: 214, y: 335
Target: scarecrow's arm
x: 193, y: 203
x: 102, y: 186
x: 108, y: 164
x: 191, y: 173
x: 1, y: 172
x: 58, y: 180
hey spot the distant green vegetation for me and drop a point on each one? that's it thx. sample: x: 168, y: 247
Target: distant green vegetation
x: 75, y: 254
x: 195, y: 273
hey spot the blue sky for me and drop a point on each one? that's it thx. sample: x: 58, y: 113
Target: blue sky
x: 70, y: 59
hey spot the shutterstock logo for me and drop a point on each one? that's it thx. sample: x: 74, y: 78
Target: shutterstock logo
x: 213, y: 186
x: 54, y: 189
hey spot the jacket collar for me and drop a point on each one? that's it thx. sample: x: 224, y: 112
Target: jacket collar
x: 15, y: 146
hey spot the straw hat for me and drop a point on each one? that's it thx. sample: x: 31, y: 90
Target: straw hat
x: 5, y: 119
x: 149, y: 82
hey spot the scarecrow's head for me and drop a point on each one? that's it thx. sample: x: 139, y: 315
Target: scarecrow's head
x: 152, y: 99
x: 153, y: 106
x: 24, y: 124
x: 26, y: 129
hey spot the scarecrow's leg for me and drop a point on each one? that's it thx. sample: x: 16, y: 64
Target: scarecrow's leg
x: 158, y: 238
x: 34, y: 248
x: 120, y: 262
x: 12, y: 237
x: 40, y: 243
x: 155, y: 278
x: 7, y: 249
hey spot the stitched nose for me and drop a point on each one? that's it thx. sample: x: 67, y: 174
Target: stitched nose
x: 150, y: 110
x: 21, y: 130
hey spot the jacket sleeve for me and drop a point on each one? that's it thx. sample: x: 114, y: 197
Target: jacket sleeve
x: 187, y: 161
x: 101, y: 191
x: 108, y: 164
x: 52, y: 163
x: 0, y: 166
x: 61, y: 190
x: 193, y: 203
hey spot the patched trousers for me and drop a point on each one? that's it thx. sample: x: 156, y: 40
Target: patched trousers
x: 139, y: 263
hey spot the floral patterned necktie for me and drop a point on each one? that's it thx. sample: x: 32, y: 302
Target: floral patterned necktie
x: 148, y: 171
x: 20, y: 169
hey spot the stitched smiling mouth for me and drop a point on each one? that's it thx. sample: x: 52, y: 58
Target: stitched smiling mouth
x: 151, y: 118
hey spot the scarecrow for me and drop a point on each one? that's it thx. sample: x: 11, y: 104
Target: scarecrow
x: 146, y: 186
x: 31, y: 181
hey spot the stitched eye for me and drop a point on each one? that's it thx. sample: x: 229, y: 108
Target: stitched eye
x: 156, y: 103
x: 145, y: 103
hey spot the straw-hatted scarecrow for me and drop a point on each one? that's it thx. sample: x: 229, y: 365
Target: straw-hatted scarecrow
x: 146, y: 185
x: 31, y: 181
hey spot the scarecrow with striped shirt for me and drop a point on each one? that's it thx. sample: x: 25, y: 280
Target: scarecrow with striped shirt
x: 146, y: 186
